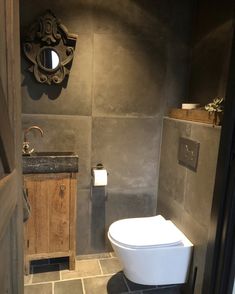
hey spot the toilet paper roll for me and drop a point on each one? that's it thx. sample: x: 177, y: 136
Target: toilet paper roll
x: 100, y: 177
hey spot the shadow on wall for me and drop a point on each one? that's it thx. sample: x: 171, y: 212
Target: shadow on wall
x: 128, y: 18
x: 36, y: 89
x: 98, y: 218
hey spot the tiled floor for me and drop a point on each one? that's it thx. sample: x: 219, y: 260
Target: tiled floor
x: 94, y: 274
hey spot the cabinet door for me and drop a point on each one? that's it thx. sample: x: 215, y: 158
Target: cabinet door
x: 36, y: 228
x: 59, y: 199
x: 47, y: 229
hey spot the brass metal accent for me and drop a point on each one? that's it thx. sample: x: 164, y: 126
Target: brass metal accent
x: 26, y: 148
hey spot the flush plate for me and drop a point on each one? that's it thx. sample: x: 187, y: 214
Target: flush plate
x: 188, y: 153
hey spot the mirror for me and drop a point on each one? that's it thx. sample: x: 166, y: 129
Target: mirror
x: 49, y: 58
x: 49, y: 48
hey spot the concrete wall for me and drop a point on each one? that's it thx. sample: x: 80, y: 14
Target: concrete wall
x: 130, y: 66
x: 185, y: 196
x: 211, y: 45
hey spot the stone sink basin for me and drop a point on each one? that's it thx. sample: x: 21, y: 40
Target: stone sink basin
x: 50, y: 162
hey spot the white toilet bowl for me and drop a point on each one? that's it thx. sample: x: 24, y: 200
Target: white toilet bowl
x: 152, y: 250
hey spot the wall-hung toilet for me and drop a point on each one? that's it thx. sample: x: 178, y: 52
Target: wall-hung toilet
x: 152, y: 250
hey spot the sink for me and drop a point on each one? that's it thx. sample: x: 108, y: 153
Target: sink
x: 50, y: 162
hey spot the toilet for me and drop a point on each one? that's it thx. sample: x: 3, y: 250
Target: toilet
x: 152, y: 250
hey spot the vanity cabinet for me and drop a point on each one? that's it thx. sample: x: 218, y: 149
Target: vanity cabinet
x: 50, y: 229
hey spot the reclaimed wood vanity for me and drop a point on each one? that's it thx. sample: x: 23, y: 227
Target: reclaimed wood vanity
x: 50, y: 180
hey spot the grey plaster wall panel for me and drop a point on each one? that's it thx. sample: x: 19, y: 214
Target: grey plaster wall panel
x: 177, y: 74
x: 179, y: 31
x: 191, y: 213
x: 74, y: 98
x: 170, y: 209
x: 211, y: 48
x: 209, y: 75
x: 172, y: 176
x: 63, y: 133
x: 130, y: 64
x: 131, y: 17
x: 128, y: 75
x: 128, y: 149
x: 200, y: 185
x: 76, y: 15
x: 83, y: 221
x: 198, y: 235
x: 181, y: 20
x: 98, y: 215
x: 129, y: 203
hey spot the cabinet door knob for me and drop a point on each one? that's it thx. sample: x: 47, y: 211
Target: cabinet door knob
x: 62, y: 188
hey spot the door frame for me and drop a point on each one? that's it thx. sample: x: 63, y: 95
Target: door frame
x: 220, y: 258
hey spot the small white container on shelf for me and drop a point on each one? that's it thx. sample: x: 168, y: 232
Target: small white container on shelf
x: 190, y: 105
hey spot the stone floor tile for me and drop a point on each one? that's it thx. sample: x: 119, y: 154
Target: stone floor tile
x: 46, y: 273
x: 94, y: 256
x: 68, y: 287
x: 84, y: 268
x: 28, y: 279
x: 105, y: 285
x: 110, y: 265
x: 38, y: 289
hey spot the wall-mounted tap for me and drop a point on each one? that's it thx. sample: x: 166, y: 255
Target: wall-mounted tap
x: 26, y: 149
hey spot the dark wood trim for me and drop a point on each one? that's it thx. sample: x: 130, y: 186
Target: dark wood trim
x: 6, y: 135
x: 219, y: 270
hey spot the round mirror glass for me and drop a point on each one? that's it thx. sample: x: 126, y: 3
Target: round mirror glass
x: 49, y: 58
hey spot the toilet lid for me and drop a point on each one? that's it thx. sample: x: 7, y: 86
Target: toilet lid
x: 145, y: 232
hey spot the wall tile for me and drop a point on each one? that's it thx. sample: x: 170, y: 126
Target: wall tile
x: 200, y: 184
x: 198, y: 235
x: 63, y: 133
x: 172, y: 176
x: 131, y: 17
x: 210, y: 56
x: 170, y: 209
x: 83, y: 222
x: 134, y: 83
x: 177, y: 74
x: 129, y: 203
x: 74, y: 98
x: 76, y: 15
x: 190, y: 208
x: 97, y: 214
x: 128, y: 149
x: 118, y: 82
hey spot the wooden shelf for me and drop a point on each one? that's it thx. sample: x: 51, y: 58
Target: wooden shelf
x: 197, y: 115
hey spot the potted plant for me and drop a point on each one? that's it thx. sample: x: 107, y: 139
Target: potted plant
x: 216, y: 109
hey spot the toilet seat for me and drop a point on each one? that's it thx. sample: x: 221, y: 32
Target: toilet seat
x: 146, y: 232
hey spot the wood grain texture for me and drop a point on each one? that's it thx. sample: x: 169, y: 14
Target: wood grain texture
x: 37, y: 229
x: 6, y: 135
x: 59, y: 190
x: 73, y: 220
x: 197, y: 115
x: 11, y: 219
x: 50, y: 230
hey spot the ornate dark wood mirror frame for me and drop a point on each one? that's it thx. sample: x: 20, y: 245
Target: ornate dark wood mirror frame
x: 49, y: 48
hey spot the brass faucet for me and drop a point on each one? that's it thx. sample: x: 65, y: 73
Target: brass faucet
x: 26, y: 149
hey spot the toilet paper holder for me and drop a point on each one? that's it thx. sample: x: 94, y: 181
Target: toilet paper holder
x: 94, y: 183
x: 98, y: 166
